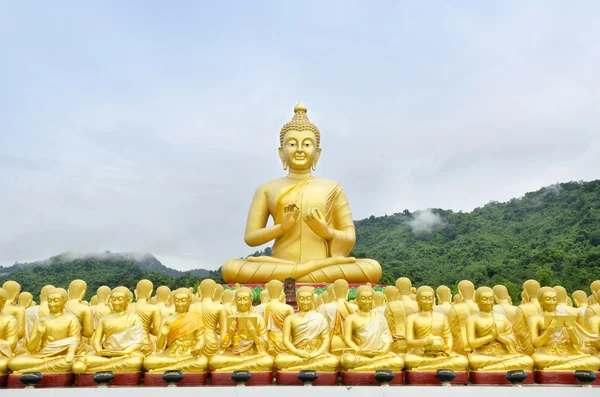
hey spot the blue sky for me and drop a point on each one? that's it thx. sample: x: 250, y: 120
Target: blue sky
x: 146, y: 126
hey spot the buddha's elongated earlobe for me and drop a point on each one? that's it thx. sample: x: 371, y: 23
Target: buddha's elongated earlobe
x: 314, y: 164
x: 282, y: 158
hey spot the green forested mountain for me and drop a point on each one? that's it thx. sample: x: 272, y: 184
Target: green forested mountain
x: 551, y: 235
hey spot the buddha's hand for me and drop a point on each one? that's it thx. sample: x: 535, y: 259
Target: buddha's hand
x: 551, y: 327
x: 232, y: 328
x: 570, y: 327
x: 252, y: 331
x: 41, y: 328
x: 316, y: 221
x: 164, y: 330
x: 304, y: 354
x: 291, y: 213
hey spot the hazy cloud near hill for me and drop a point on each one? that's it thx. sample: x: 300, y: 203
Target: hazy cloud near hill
x: 425, y: 221
x: 147, y: 127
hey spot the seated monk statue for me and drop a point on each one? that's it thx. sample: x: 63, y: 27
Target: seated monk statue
x: 368, y: 338
x: 391, y: 293
x: 444, y: 298
x: 313, y: 230
x: 149, y: 313
x: 117, y: 341
x: 244, y: 346
x: 493, y: 347
x: 336, y: 312
x: 457, y: 317
x: 213, y: 315
x: 163, y: 294
x: 101, y: 309
x: 503, y: 305
x: 54, y: 340
x: 13, y: 289
x: 275, y: 314
x: 429, y: 339
x: 593, y: 308
x: 34, y: 313
x: 181, y: 339
x: 580, y: 302
x: 9, y: 331
x: 558, y: 348
x: 306, y: 338
x: 397, y: 311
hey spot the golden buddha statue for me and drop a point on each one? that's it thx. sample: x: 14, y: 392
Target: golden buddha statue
x: 429, y: 339
x: 101, y: 309
x: 379, y: 301
x: 25, y: 300
x: 9, y: 330
x: 558, y: 345
x: 163, y: 294
x: 396, y: 313
x: 34, y: 313
x: 227, y: 300
x: 490, y: 336
x: 593, y: 308
x: 563, y: 305
x: 313, y: 230
x: 458, y: 314
x: 244, y: 345
x: 13, y: 289
x: 149, y: 313
x: 368, y: 338
x: 181, y: 339
x: 444, y: 298
x: 275, y: 314
x: 80, y: 310
x: 503, y: 305
x: 336, y: 312
x: 53, y: 342
x: 306, y: 338
x: 391, y: 293
x: 117, y: 340
x: 525, y: 310
x: 213, y: 315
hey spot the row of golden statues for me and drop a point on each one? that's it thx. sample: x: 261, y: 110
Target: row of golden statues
x: 220, y: 330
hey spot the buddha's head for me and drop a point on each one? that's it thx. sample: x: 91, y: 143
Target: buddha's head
x: 264, y: 296
x: 530, y: 290
x: 275, y: 288
x: 94, y: 300
x: 580, y: 298
x: 378, y: 299
x: 57, y: 298
x: 103, y: 294
x: 444, y: 294
x: 340, y: 289
x: 364, y: 298
x: 466, y: 289
x: 404, y: 286
x: 77, y: 290
x: 218, y: 292
x: 13, y: 289
x: 299, y: 142
x: 44, y: 292
x: 143, y: 290
x: 547, y: 298
x: 391, y: 293
x: 594, y: 288
x: 425, y: 298
x: 207, y: 288
x: 500, y: 293
x: 3, y: 298
x: 304, y: 298
x: 228, y: 296
x: 25, y: 300
x: 120, y: 298
x: 182, y: 299
x: 484, y: 296
x: 243, y: 299
x: 457, y: 299
x: 162, y: 294
x: 561, y: 294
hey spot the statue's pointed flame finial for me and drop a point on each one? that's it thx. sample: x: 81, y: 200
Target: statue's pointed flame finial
x: 300, y: 108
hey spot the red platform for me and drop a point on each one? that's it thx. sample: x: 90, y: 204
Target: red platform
x: 48, y: 380
x: 560, y: 378
x: 257, y: 379
x: 368, y: 378
x: 156, y: 379
x: 428, y: 378
x: 291, y: 378
x: 496, y: 378
x: 3, y: 380
x: 123, y: 379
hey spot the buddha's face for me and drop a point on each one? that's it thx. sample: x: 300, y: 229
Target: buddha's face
x: 425, y: 301
x: 299, y: 150
x: 549, y: 302
x: 485, y: 301
x: 119, y: 302
x: 182, y: 303
x: 243, y: 301
x: 365, y: 301
x: 56, y: 303
x: 305, y: 301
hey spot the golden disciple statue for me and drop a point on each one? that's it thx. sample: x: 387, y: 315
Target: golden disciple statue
x: 149, y: 313
x: 528, y: 308
x: 594, y: 308
x: 101, y: 309
x: 275, y: 315
x: 313, y: 230
x: 13, y: 289
x: 368, y: 338
x: 306, y: 338
x: 54, y: 340
x: 117, y: 341
x: 34, y: 313
x: 580, y: 302
x: 457, y: 317
x: 213, y: 315
x: 557, y: 341
x: 444, y: 297
x: 336, y: 312
x: 503, y: 305
x: 9, y: 331
x: 80, y: 310
x: 396, y: 313
x: 490, y: 336
x: 163, y: 294
x: 244, y: 346
x: 429, y: 339
x: 181, y: 339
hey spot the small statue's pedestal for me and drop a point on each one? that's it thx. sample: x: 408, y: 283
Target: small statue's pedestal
x: 428, y: 378
x: 3, y: 380
x: 560, y: 378
x: 368, y: 378
x: 291, y: 378
x: 496, y: 378
x: 156, y: 380
x: 257, y: 379
x: 48, y: 380
x: 122, y: 379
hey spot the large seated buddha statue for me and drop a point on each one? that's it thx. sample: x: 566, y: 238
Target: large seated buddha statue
x: 313, y: 230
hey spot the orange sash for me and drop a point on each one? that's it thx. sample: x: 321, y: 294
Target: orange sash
x: 184, y: 326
